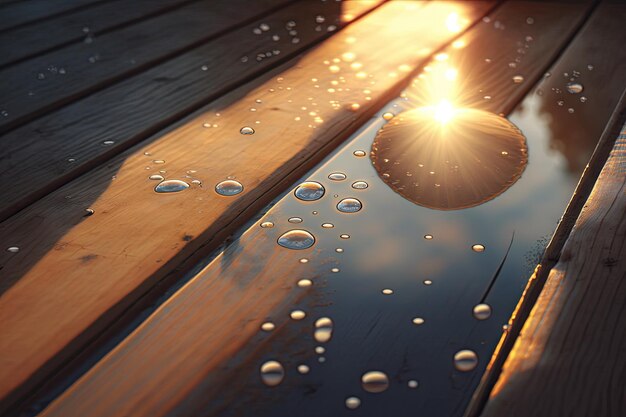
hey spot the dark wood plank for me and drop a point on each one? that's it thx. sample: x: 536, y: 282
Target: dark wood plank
x: 78, y: 26
x: 30, y: 90
x: 14, y: 15
x: 569, y: 358
x: 307, y: 12
x: 38, y: 155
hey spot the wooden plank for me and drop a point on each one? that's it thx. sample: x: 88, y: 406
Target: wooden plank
x: 30, y: 89
x: 227, y: 294
x: 569, y: 358
x: 147, y: 219
x: 77, y: 26
x: 14, y: 15
x: 37, y: 155
x: 307, y: 34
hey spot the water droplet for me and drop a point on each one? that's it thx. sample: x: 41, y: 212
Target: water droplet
x: 304, y: 261
x: 156, y: 177
x: 478, y: 248
x: 267, y: 225
x: 388, y: 116
x: 246, y: 130
x: 530, y: 20
x: 428, y: 282
x: 296, y: 239
x: 108, y: 142
x: 517, y: 79
x: 374, y: 381
x: 328, y: 225
x: 560, y: 103
x: 482, y: 311
x: 171, y: 186
x: 13, y: 249
x: 264, y: 27
x: 297, y: 314
x: 337, y: 176
x: 294, y: 220
x: 359, y: 153
x: 418, y: 321
x: 590, y: 67
x: 309, y: 191
x: 353, y: 403
x: 229, y: 188
x: 428, y: 237
x: 334, y: 270
x: 158, y: 161
x: 272, y: 373
x: 465, y: 360
x: 570, y: 110
x: 583, y: 99
x: 304, y: 283
x: 360, y: 185
x: 349, y: 205
x: 344, y: 236
x: 323, y: 330
x: 268, y: 326
x: 574, y: 88
x: 89, y: 212
x: 387, y: 291
x: 303, y: 369
x: 413, y: 383
x: 487, y: 97
x: 339, y: 250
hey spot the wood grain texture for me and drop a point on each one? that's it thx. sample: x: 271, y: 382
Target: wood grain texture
x: 175, y: 354
x: 30, y: 90
x: 158, y: 233
x: 569, y: 358
x: 31, y: 40
x: 16, y: 14
x: 36, y: 155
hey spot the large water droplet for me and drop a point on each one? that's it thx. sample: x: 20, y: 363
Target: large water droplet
x: 229, y: 188
x: 337, y: 176
x: 360, y: 185
x: 309, y: 191
x: 374, y: 381
x: 272, y: 373
x: 440, y: 168
x: 323, y: 329
x: 171, y: 186
x: 465, y: 360
x: 296, y: 239
x: 353, y: 402
x: 247, y: 130
x: 574, y: 88
x: 349, y: 205
x: 482, y: 311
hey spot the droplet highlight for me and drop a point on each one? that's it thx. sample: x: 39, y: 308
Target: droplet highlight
x: 272, y: 373
x: 375, y: 381
x: 309, y: 191
x: 465, y: 360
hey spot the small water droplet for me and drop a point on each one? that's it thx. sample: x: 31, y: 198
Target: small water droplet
x: 570, y: 110
x: 158, y: 161
x: 339, y: 250
x: 268, y: 326
x: 334, y: 270
x: 353, y: 403
x: 344, y: 236
x: 304, y: 283
x: 418, y: 321
x: 387, y: 291
x: 349, y: 205
x: 337, y: 176
x: 267, y: 225
x: 590, y: 67
x: 272, y: 373
x: 374, y: 381
x: 309, y: 191
x: 413, y: 383
x: 323, y: 330
x: 583, y: 99
x: 13, y: 249
x: 482, y: 311
x: 388, y: 116
x: 517, y: 79
x: 360, y: 185
x: 295, y: 220
x: 297, y: 314
x: 530, y: 20
x: 465, y: 360
x: 428, y: 282
x: 428, y: 237
x: 304, y: 260
x: 229, y: 188
x: 89, y: 212
x: 171, y: 186
x: 328, y: 225
x: 246, y: 130
x: 560, y: 103
x: 359, y: 153
x: 296, y: 239
x: 156, y: 177
x: 478, y: 248
x: 574, y: 88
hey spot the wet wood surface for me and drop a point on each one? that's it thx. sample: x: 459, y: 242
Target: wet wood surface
x: 151, y: 357
x: 90, y: 67
x: 22, y: 13
x: 569, y: 356
x: 82, y: 25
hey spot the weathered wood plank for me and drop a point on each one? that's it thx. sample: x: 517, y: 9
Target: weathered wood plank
x: 30, y: 90
x: 569, y: 358
x: 190, y: 359
x: 145, y: 219
x: 14, y: 15
x: 78, y: 26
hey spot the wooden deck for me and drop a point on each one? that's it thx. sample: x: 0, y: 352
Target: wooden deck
x: 104, y: 298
